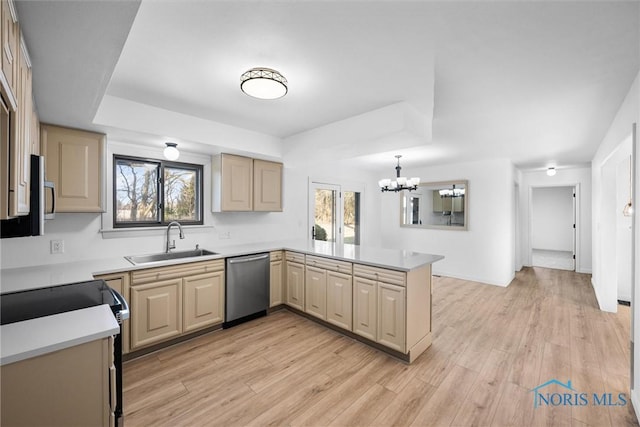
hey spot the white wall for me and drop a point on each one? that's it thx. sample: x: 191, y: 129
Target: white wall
x: 580, y: 177
x: 484, y: 252
x: 552, y: 218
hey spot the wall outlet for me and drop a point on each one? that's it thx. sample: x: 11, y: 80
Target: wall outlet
x: 57, y: 246
x: 225, y: 235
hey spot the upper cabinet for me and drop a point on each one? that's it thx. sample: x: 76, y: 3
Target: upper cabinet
x: 74, y: 162
x: 245, y: 184
x: 18, y: 134
x: 267, y: 186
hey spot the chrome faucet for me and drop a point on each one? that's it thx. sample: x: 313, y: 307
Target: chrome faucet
x: 172, y: 245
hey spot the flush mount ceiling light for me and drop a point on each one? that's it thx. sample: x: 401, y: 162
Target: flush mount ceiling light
x: 551, y: 171
x: 263, y: 83
x: 171, y: 151
x: 400, y: 183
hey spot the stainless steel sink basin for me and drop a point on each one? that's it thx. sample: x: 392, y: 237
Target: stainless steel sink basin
x: 144, y: 259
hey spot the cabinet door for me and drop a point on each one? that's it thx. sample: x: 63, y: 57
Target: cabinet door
x: 156, y: 312
x: 267, y: 186
x: 364, y: 307
x: 339, y: 297
x: 275, y: 284
x: 295, y: 285
x: 237, y: 183
x: 458, y: 204
x: 203, y: 300
x: 391, y: 316
x: 315, y: 301
x: 9, y: 49
x: 73, y: 161
x: 437, y: 201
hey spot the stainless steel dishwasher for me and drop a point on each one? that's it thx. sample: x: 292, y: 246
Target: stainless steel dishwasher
x: 247, y: 288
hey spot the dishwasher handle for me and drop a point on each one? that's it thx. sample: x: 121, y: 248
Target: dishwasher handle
x: 247, y: 259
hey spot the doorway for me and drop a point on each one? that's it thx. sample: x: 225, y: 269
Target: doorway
x: 553, y: 227
x: 335, y: 213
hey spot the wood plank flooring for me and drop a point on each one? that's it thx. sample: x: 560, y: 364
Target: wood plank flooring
x: 491, y: 346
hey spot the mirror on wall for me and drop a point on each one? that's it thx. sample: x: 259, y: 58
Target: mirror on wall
x: 441, y: 205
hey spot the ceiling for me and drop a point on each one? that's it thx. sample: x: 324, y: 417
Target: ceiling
x: 536, y: 82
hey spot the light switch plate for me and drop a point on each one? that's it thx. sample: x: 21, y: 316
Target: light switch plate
x: 57, y: 246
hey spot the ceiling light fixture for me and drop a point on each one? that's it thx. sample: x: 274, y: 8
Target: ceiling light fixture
x: 171, y: 151
x: 400, y: 183
x: 551, y: 171
x: 263, y: 83
x: 452, y: 192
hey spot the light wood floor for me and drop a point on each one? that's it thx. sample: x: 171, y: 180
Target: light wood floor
x: 491, y: 346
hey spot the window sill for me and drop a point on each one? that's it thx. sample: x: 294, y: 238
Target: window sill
x: 115, y: 233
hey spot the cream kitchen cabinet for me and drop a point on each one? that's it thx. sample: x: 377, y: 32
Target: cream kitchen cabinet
x: 315, y: 291
x: 9, y: 44
x: 295, y: 279
x: 203, y: 299
x: 121, y: 283
x: 245, y: 184
x: 167, y: 302
x: 339, y: 299
x: 267, y: 186
x: 275, y: 279
x: 391, y: 316
x: 365, y: 307
x: 74, y: 162
x: 63, y: 388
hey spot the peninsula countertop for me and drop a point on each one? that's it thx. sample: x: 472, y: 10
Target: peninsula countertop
x: 32, y: 277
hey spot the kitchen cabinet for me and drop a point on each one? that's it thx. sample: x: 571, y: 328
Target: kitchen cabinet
x: 74, y: 161
x: 244, y: 184
x: 9, y: 42
x: 121, y: 283
x: 62, y: 388
x: 339, y: 299
x: 203, y: 300
x: 167, y: 302
x: 458, y: 204
x: 295, y: 279
x: 391, y: 316
x: 267, y: 186
x: 275, y: 279
x: 441, y: 204
x: 365, y: 308
x: 315, y: 302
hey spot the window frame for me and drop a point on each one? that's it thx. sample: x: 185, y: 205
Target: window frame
x: 161, y: 165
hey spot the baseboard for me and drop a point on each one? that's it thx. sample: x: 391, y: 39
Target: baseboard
x: 635, y: 402
x: 584, y: 270
x: 473, y: 279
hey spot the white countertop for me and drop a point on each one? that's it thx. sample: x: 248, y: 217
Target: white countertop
x: 35, y: 337
x: 17, y: 279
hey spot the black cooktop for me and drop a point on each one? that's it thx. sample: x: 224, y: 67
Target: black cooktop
x: 33, y: 303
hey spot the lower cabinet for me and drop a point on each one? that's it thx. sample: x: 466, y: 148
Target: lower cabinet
x: 295, y: 284
x: 63, y: 388
x: 203, y: 300
x: 156, y: 312
x: 275, y: 282
x: 365, y: 307
x: 315, y: 302
x: 391, y: 316
x: 339, y: 299
x: 167, y: 302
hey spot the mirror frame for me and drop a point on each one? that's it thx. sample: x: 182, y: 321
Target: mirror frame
x: 442, y: 184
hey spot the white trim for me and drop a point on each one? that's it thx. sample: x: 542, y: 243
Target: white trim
x: 599, y: 299
x: 635, y: 402
x: 473, y: 279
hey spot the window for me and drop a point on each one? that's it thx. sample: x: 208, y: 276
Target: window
x: 149, y: 192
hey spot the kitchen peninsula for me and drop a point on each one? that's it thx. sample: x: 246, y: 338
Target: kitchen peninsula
x: 379, y: 296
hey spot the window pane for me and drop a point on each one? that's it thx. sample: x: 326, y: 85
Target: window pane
x: 136, y: 191
x: 325, y: 215
x: 352, y: 217
x: 180, y: 189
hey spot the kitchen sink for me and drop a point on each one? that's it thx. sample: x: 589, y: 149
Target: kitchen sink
x: 144, y: 259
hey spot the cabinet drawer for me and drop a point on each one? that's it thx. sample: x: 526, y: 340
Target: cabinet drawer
x: 276, y: 255
x: 329, y: 264
x: 294, y: 257
x: 380, y: 274
x: 139, y: 277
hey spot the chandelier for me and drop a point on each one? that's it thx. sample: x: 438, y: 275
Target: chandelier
x: 452, y: 192
x: 400, y: 183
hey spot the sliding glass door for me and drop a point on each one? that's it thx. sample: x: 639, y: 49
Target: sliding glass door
x: 334, y: 213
